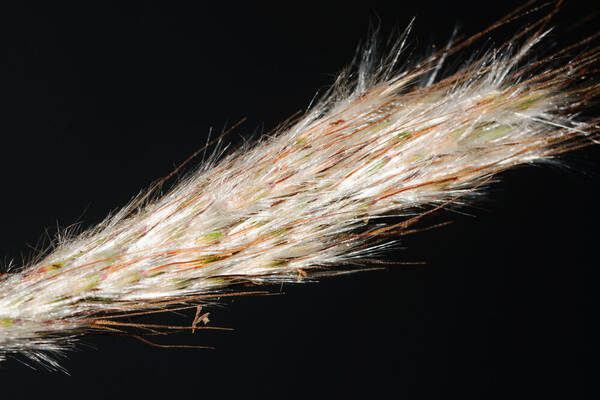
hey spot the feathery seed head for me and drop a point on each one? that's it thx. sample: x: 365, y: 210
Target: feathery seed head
x: 384, y: 141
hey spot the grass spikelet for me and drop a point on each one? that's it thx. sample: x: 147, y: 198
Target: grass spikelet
x: 387, y: 139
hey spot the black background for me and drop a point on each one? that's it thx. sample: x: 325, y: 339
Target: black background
x: 99, y: 101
